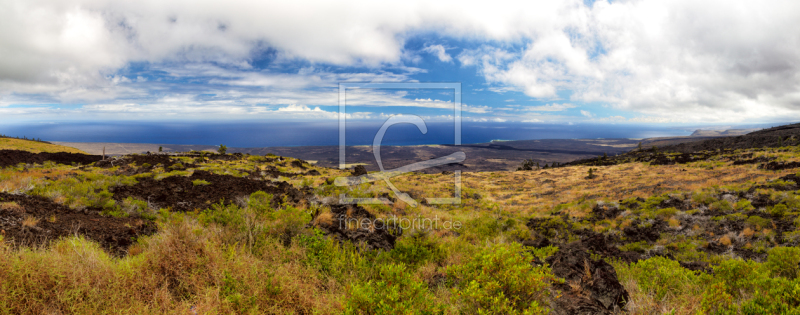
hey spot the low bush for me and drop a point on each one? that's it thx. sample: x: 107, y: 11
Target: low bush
x: 394, y: 291
x: 758, y: 222
x: 778, y: 210
x: 417, y: 249
x: 200, y: 182
x: 784, y: 262
x: 666, y: 213
x: 662, y: 277
x: 501, y: 280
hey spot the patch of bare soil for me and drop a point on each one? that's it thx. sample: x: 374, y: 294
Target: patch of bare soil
x: 14, y: 157
x: 31, y: 221
x: 181, y: 194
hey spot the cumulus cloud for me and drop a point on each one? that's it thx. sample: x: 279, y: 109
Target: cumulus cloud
x: 586, y: 113
x: 673, y: 61
x: 298, y: 108
x: 678, y: 60
x: 439, y: 52
x: 555, y: 107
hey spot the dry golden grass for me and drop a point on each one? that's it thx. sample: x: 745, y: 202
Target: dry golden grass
x: 673, y: 222
x: 531, y: 192
x: 178, y: 271
x: 325, y: 218
x: 644, y: 303
x: 725, y: 240
x: 30, y: 221
x: 10, y: 206
x: 34, y: 146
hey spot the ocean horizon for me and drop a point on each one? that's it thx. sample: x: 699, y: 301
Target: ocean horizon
x: 252, y: 134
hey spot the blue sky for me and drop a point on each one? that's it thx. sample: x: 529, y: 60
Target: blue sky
x: 620, y: 62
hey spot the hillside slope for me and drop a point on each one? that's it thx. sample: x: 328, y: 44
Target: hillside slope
x: 771, y: 137
x: 705, y: 232
x: 35, y: 146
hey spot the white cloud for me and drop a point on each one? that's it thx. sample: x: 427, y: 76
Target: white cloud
x: 555, y: 107
x: 476, y: 109
x: 439, y: 52
x: 717, y: 60
x: 586, y: 113
x: 298, y: 108
x: 671, y: 61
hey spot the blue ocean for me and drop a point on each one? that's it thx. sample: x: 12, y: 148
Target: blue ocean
x: 315, y: 133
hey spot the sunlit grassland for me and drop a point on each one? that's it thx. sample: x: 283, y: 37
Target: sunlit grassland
x: 34, y: 146
x: 533, y: 192
x: 236, y: 259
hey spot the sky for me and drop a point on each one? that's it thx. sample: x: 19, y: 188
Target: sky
x: 612, y: 62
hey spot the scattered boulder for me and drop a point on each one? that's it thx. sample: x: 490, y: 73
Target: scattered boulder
x: 354, y: 223
x: 776, y: 166
x: 14, y: 157
x: 644, y: 232
x: 760, y: 159
x: 602, y: 211
x: 359, y: 170
x: 313, y: 173
x: 590, y: 286
x: 181, y: 194
x: 299, y: 164
x: 35, y: 220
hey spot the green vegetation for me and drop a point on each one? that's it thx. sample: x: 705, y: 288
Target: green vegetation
x: 200, y: 182
x: 34, y: 146
x: 716, y: 239
x: 501, y: 280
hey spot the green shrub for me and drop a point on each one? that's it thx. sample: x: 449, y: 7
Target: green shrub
x: 501, y: 280
x: 774, y: 296
x: 222, y: 149
x: 737, y: 275
x: 744, y: 205
x: 758, y: 222
x: 666, y: 212
x: 260, y: 202
x: 735, y: 217
x: 652, y: 203
x: 486, y: 227
x: 704, y: 197
x: 778, y: 210
x: 393, y: 292
x: 662, y: 276
x: 640, y: 246
x: 341, y: 261
x: 223, y: 215
x: 417, y: 249
x: 543, y: 252
x: 200, y: 182
x: 783, y: 261
x: 721, y: 205
x: 750, y: 283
